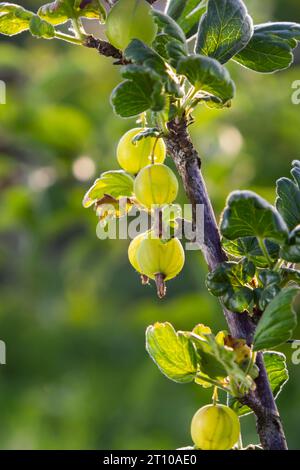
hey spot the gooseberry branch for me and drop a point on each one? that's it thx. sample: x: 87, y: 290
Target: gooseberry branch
x: 188, y: 164
x: 165, y: 79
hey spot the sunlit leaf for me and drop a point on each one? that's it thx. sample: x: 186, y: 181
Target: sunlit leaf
x: 270, y: 48
x: 116, y: 184
x: 224, y: 30
x: 247, y: 214
x: 14, y: 19
x: 172, y: 352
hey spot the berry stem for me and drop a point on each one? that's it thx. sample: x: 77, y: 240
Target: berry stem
x: 215, y: 397
x: 160, y: 285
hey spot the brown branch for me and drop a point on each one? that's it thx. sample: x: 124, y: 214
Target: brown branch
x: 105, y: 48
x: 188, y: 164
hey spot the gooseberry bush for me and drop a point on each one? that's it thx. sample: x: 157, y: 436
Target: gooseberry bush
x: 171, y: 62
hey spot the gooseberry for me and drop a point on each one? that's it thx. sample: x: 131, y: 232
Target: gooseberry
x: 130, y: 19
x: 160, y: 257
x: 132, y: 157
x: 215, y: 427
x: 155, y: 185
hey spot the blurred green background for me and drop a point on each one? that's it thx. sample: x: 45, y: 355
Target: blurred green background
x: 72, y: 311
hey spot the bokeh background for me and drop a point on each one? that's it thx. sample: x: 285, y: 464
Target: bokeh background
x: 72, y: 311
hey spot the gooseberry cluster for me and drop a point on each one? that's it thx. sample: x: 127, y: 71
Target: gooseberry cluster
x: 155, y: 186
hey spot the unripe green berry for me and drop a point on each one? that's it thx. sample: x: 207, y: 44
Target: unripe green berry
x: 215, y: 427
x: 155, y: 185
x: 130, y: 19
x: 134, y: 157
x: 155, y: 256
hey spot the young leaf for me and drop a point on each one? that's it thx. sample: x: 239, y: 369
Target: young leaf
x: 57, y: 12
x: 14, y: 19
x: 40, y: 28
x: 288, y: 197
x: 248, y: 215
x: 208, y: 75
x: 172, y: 352
x: 141, y: 91
x: 277, y: 322
x: 270, y: 48
x: 275, y: 364
x: 187, y: 14
x: 90, y: 9
x: 229, y: 281
x: 218, y: 361
x: 116, y: 184
x: 224, y: 30
x: 248, y: 247
x: 61, y: 11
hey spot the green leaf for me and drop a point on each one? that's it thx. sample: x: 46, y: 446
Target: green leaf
x: 187, y: 14
x: 224, y: 30
x: 248, y: 247
x: 14, y: 19
x: 248, y: 215
x: 57, y: 12
x: 141, y: 54
x: 277, y: 322
x: 218, y: 361
x: 231, y: 282
x: 275, y: 364
x: 113, y: 183
x: 270, y: 48
x: 166, y: 25
x: 61, y: 11
x: 208, y: 75
x: 288, y: 197
x: 290, y: 251
x: 40, y: 28
x: 170, y: 41
x: 172, y: 352
x: 142, y: 91
x: 269, y: 282
x: 90, y: 9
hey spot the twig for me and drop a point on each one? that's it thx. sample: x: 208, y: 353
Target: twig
x: 105, y: 48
